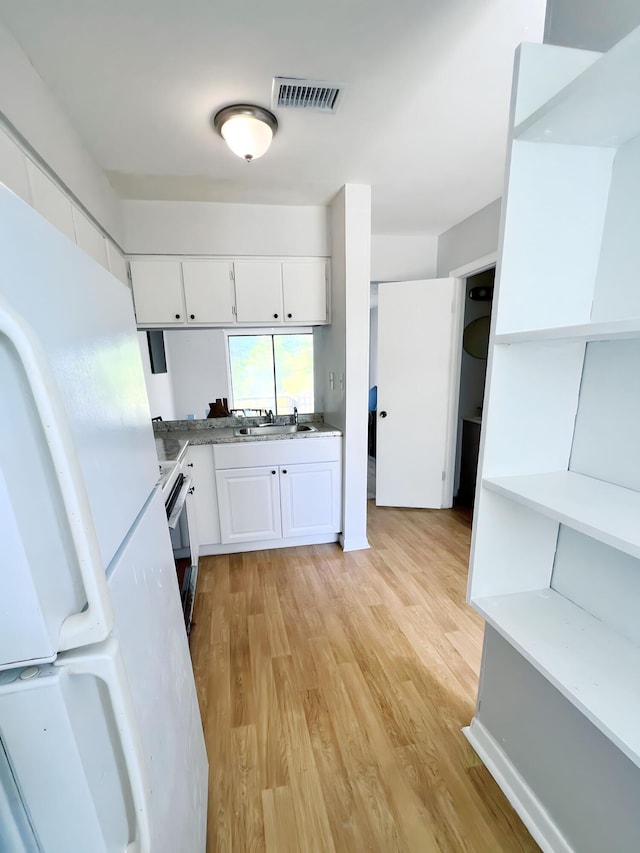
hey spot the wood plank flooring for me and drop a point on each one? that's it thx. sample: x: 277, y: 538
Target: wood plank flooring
x: 333, y: 688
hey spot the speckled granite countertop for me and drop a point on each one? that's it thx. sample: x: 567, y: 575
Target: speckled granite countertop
x: 170, y: 448
x: 221, y: 431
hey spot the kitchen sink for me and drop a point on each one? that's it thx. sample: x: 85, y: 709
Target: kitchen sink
x: 274, y: 429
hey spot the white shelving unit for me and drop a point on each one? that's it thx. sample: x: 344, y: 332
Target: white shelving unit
x: 598, y: 670
x: 555, y: 565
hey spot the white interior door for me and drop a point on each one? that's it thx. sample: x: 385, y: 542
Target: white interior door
x: 419, y: 327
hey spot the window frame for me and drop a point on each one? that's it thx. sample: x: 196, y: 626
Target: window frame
x: 260, y: 330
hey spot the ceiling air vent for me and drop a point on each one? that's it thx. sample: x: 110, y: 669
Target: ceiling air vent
x: 297, y: 94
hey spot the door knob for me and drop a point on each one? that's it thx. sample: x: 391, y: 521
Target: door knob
x: 383, y: 414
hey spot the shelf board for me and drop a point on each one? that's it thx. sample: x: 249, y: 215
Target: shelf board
x: 598, y: 509
x: 598, y: 108
x: 610, y: 330
x: 596, y: 669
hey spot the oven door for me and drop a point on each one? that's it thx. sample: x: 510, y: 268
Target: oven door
x: 186, y: 547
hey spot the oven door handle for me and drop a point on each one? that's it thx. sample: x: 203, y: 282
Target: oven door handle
x: 179, y: 504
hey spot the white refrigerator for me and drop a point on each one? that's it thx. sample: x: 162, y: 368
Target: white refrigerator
x: 101, y: 743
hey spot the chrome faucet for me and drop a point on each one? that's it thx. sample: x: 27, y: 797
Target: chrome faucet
x: 270, y: 417
x: 295, y: 414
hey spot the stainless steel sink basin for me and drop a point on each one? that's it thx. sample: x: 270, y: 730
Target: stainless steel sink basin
x: 274, y: 429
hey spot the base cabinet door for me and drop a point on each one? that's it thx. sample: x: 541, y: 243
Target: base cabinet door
x: 200, y: 467
x: 249, y: 500
x: 310, y: 498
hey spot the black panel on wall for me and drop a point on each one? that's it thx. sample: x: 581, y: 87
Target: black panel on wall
x: 157, y: 355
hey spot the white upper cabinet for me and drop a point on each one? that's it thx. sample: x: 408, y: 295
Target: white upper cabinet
x: 208, y: 291
x: 13, y: 168
x: 89, y: 239
x: 51, y: 202
x: 157, y: 292
x: 229, y: 292
x: 258, y: 291
x: 117, y: 263
x: 304, y: 289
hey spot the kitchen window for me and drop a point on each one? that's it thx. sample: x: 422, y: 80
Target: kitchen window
x: 272, y: 372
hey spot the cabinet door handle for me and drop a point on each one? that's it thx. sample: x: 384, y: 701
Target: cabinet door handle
x: 383, y: 414
x: 177, y: 316
x: 289, y: 316
x: 276, y: 316
x: 189, y: 464
x: 284, y: 470
x: 273, y: 472
x: 192, y: 316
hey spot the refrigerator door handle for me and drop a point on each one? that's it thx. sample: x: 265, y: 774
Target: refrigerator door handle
x: 105, y: 663
x: 95, y: 622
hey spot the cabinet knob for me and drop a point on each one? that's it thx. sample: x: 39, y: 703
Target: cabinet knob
x: 289, y: 316
x: 273, y: 472
x: 284, y: 470
x: 189, y: 464
x: 192, y: 490
x: 177, y: 316
x: 383, y: 414
x: 192, y: 316
x: 276, y: 316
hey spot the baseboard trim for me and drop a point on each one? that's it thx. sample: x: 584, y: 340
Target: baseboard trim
x: 533, y: 814
x: 359, y: 543
x: 267, y: 544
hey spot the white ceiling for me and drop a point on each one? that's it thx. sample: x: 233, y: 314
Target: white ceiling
x: 423, y: 117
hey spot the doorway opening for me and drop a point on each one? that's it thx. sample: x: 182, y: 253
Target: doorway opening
x: 473, y: 371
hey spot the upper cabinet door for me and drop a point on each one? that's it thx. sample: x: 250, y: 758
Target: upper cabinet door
x: 51, y: 202
x: 304, y: 285
x: 258, y: 291
x: 13, y: 167
x: 89, y: 239
x: 208, y: 291
x: 117, y: 263
x: 157, y: 292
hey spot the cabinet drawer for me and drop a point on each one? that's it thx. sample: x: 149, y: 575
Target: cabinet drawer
x: 282, y: 452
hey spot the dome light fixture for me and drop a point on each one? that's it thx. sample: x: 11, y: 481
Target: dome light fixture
x: 247, y: 130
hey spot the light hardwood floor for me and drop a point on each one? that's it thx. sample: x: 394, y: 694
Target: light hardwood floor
x: 333, y: 688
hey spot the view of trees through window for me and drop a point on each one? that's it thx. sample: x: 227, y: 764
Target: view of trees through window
x: 272, y: 372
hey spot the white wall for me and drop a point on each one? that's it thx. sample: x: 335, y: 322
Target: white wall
x: 32, y: 110
x: 198, y: 370
x: 588, y: 788
x: 341, y: 351
x: 470, y: 239
x: 158, y: 385
x: 590, y: 24
x: 403, y: 257
x: 211, y: 228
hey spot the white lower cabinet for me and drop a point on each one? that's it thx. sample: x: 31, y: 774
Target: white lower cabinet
x: 200, y: 468
x: 310, y: 498
x: 249, y: 500
x: 298, y: 495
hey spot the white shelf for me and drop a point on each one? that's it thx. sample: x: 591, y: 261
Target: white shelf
x: 598, y: 108
x: 608, y: 513
x: 592, y: 666
x: 603, y: 331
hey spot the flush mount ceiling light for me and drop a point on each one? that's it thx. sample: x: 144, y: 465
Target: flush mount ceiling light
x: 246, y: 129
